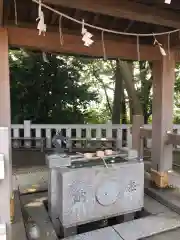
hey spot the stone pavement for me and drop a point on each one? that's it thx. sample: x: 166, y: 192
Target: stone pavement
x: 161, y: 219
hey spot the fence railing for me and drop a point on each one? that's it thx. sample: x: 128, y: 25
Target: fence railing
x: 30, y: 132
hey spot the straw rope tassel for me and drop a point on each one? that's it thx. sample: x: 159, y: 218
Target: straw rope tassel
x: 60, y: 31
x: 103, y: 46
x: 15, y: 12
x: 169, y: 51
x: 41, y: 25
x: 138, y: 49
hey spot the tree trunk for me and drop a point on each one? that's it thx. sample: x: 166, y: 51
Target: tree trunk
x: 126, y: 71
x: 104, y: 88
x: 124, y: 112
x: 118, y: 94
x: 130, y: 112
x: 146, y: 86
x: 124, y: 118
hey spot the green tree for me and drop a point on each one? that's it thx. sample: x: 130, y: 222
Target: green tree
x: 48, y: 92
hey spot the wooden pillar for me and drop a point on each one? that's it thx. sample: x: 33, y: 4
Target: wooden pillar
x: 5, y: 132
x: 162, y: 117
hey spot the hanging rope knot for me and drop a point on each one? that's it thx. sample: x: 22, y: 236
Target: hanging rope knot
x: 41, y: 25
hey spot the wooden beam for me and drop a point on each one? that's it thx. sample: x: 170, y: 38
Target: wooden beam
x: 25, y: 37
x: 124, y: 9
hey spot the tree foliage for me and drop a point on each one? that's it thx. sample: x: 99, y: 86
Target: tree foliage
x: 48, y: 92
x: 80, y: 90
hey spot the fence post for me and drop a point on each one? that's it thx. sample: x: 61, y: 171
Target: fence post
x: 48, y: 138
x: 78, y: 135
x: 149, y: 143
x: 129, y: 138
x: 119, y: 142
x: 27, y: 133
x: 16, y: 142
x: 38, y: 135
x: 138, y: 121
x: 109, y: 132
x: 178, y: 132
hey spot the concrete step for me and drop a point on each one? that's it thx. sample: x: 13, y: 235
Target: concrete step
x: 105, y: 234
x: 148, y: 226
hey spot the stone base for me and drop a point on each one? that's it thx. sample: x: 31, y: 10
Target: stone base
x: 159, y: 178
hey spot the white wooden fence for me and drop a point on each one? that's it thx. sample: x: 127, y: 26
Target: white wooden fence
x: 28, y: 131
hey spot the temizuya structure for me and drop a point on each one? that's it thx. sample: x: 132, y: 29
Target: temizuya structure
x: 121, y: 28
